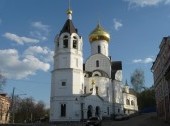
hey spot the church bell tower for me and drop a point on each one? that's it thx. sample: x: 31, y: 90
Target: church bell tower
x: 67, y: 76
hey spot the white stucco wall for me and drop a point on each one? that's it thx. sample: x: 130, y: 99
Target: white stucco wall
x: 130, y: 97
x: 117, y: 91
x: 103, y: 47
x: 104, y: 64
x: 72, y: 108
x: 56, y: 84
x: 103, y: 84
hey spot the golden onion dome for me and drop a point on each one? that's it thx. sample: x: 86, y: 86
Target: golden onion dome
x: 99, y: 34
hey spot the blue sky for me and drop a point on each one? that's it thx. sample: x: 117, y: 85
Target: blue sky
x: 28, y: 28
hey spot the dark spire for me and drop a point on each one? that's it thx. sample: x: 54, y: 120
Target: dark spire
x: 68, y: 27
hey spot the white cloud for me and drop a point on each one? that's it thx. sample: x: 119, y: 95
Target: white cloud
x: 18, y: 39
x: 40, y: 26
x: 36, y: 49
x: 143, y: 3
x: 144, y: 61
x: 149, y: 60
x: 14, y: 66
x: 44, y: 53
x: 137, y: 60
x: 38, y: 35
x: 117, y: 24
x: 40, y: 31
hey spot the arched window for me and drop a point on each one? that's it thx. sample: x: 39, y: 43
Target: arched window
x: 127, y: 102
x: 89, y: 111
x: 96, y: 75
x: 75, y: 43
x: 99, y: 49
x: 132, y: 102
x: 65, y: 41
x: 63, y: 110
x: 97, y: 63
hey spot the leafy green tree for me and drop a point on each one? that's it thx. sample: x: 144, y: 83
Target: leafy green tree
x: 146, y: 98
x: 137, y: 80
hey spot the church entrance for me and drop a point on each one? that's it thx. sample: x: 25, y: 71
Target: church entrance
x: 89, y: 111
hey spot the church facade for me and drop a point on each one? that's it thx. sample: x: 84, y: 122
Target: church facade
x: 94, y: 88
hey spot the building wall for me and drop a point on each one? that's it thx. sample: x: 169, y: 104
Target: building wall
x: 130, y: 103
x: 103, y: 85
x: 56, y: 84
x: 160, y: 70
x: 67, y: 78
x: 94, y: 101
x: 72, y: 108
x: 74, y: 96
x: 68, y: 57
x: 117, y: 97
x: 104, y: 64
x: 117, y: 92
x: 103, y: 47
x: 4, y: 108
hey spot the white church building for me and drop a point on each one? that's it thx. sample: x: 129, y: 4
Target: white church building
x: 93, y: 88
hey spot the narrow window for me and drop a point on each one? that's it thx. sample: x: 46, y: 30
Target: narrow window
x: 132, y: 102
x: 85, y: 90
x: 107, y: 92
x: 75, y: 42
x: 118, y: 110
x: 97, y: 63
x: 97, y: 90
x: 65, y: 42
x: 63, y: 110
x: 99, y: 49
x: 108, y: 110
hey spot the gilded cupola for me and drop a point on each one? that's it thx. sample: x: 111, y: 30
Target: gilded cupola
x: 99, y: 34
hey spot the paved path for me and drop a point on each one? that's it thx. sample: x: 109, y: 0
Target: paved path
x: 148, y: 119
